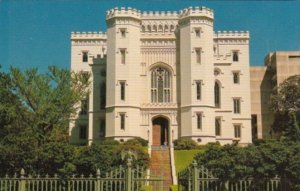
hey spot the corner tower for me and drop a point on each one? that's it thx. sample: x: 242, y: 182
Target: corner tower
x: 123, y: 61
x: 197, y: 116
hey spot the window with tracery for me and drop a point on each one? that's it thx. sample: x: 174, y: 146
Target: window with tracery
x: 160, y: 85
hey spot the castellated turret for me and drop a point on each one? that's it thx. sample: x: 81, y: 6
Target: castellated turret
x: 123, y: 63
x: 196, y: 68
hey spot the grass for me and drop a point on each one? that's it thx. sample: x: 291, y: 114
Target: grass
x: 174, y: 188
x: 184, y: 157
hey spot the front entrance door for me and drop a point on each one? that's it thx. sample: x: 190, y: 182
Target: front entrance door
x: 160, y: 133
x: 156, y: 132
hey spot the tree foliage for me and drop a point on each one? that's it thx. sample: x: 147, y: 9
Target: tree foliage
x: 260, y: 162
x: 285, y: 103
x: 35, y: 109
x: 286, y: 98
x: 185, y: 144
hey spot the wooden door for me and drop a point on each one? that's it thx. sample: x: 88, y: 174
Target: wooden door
x: 156, y: 135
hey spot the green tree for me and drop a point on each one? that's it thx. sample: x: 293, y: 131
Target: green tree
x: 285, y: 103
x: 35, y: 109
x: 49, y: 99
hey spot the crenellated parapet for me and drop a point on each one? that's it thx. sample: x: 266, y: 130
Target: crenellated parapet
x: 135, y: 13
x: 88, y: 35
x: 123, y: 12
x: 196, y: 12
x: 167, y: 14
x: 231, y: 34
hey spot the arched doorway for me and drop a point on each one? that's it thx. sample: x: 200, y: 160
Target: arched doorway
x: 160, y: 131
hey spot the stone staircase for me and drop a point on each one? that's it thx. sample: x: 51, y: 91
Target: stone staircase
x: 160, y: 165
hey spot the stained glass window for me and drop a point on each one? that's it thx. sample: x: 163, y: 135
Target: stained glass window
x: 160, y: 85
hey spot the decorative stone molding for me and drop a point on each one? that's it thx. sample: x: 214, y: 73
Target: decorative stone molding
x: 231, y: 34
x: 147, y: 14
x: 233, y: 41
x: 148, y: 115
x: 88, y: 35
x: 159, y: 105
x: 89, y: 43
x: 159, y: 42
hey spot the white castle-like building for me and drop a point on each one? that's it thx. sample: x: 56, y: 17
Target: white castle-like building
x: 163, y: 76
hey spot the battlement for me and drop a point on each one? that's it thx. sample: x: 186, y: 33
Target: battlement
x: 131, y: 12
x: 232, y: 34
x: 196, y: 11
x: 88, y: 35
x: 173, y: 14
x: 123, y: 12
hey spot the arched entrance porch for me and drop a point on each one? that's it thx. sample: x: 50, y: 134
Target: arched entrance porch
x: 160, y: 131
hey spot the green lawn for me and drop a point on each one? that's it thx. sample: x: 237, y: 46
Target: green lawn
x: 184, y: 157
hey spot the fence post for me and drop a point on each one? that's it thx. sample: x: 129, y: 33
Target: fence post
x: 128, y: 175
x: 98, y: 184
x: 22, y: 183
x: 195, y: 176
x: 226, y: 185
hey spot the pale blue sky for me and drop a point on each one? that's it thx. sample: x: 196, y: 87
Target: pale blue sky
x: 37, y: 33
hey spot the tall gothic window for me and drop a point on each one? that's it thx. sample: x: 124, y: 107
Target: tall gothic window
x: 160, y: 85
x: 122, y: 121
x: 198, y: 55
x: 235, y: 56
x: 102, y: 95
x: 199, y: 120
x: 218, y: 126
x: 122, y: 86
x: 217, y: 95
x: 237, y: 105
x: 123, y: 56
x: 198, y: 90
x: 84, y: 56
x: 84, y: 107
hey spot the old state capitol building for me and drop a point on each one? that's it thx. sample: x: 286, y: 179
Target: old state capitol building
x: 162, y: 76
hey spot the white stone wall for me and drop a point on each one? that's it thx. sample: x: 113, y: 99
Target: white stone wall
x: 95, y: 45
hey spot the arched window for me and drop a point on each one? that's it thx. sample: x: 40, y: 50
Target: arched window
x: 160, y: 28
x: 172, y: 28
x: 160, y: 85
x: 217, y: 95
x: 143, y: 28
x: 166, y: 28
x: 154, y: 28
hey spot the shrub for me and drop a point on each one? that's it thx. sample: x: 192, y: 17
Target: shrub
x: 137, y: 141
x: 56, y: 157
x: 142, y: 141
x: 185, y: 144
x: 96, y: 156
x: 109, y: 142
x: 136, y: 147
x: 147, y: 188
x: 262, y: 161
x: 174, y: 188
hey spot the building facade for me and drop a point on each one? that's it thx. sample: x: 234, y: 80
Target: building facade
x: 162, y: 76
x: 278, y: 67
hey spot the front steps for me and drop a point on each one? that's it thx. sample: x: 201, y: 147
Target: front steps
x: 160, y: 165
